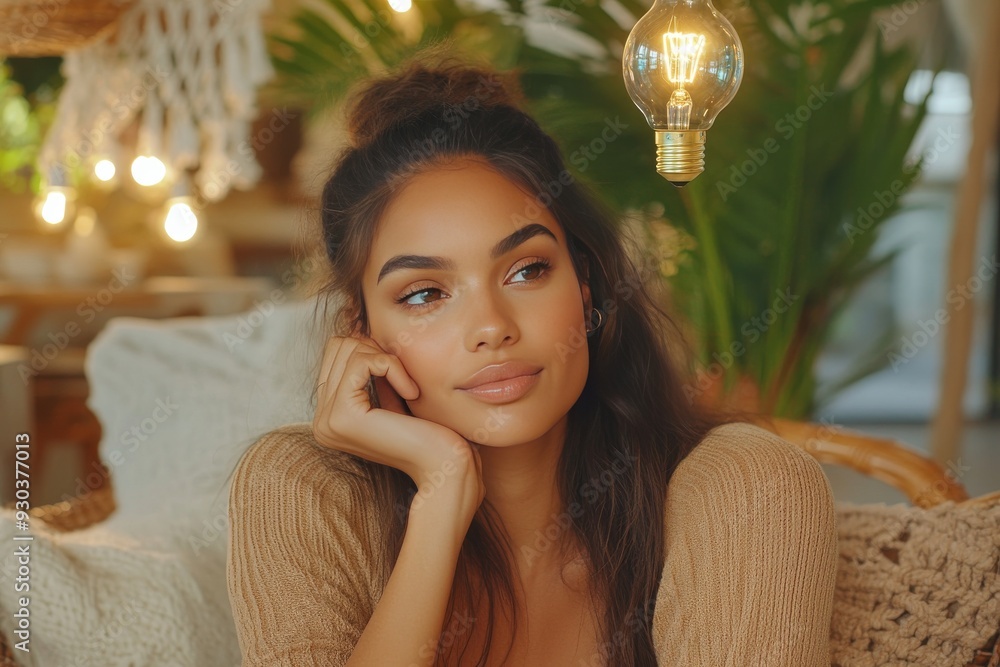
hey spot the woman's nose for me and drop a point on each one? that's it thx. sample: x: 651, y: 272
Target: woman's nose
x: 491, y: 319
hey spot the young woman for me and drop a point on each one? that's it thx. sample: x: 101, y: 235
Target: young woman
x: 503, y: 467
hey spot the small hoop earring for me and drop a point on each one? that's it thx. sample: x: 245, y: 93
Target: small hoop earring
x: 600, y: 321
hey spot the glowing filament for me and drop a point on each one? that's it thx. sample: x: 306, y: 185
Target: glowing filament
x: 683, y: 52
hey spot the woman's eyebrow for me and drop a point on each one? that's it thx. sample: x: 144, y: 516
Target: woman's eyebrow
x: 504, y: 246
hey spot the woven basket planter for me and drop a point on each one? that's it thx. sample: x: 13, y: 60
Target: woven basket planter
x: 52, y: 27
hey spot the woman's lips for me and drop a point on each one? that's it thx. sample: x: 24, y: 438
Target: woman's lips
x: 504, y: 391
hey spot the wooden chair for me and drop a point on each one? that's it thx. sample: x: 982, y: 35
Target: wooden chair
x: 925, y: 482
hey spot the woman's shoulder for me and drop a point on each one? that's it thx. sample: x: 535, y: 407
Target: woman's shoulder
x: 740, y: 464
x: 286, y: 469
x: 750, y: 553
x: 748, y: 450
x: 291, y: 452
x: 305, y: 551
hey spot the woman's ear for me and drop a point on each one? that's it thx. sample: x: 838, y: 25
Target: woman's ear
x: 587, y: 299
x: 585, y: 283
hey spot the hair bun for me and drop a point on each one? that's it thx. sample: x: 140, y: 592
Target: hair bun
x: 428, y: 81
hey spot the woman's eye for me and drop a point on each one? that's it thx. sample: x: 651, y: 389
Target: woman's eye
x: 538, y: 268
x: 405, y: 300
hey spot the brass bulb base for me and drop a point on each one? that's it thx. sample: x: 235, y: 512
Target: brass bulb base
x: 680, y: 155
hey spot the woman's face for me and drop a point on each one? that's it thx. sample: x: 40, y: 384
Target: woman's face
x: 477, y: 309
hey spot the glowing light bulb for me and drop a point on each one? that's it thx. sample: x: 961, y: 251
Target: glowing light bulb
x: 181, y: 222
x: 148, y: 170
x: 104, y: 170
x: 55, y: 205
x: 683, y: 63
x: 56, y: 200
x: 53, y: 210
x: 401, y: 5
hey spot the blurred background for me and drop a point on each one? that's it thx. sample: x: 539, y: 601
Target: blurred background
x: 170, y: 167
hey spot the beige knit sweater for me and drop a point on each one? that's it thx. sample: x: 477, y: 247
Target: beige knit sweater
x: 751, y: 555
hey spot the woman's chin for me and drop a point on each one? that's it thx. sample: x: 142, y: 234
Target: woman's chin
x: 502, y: 425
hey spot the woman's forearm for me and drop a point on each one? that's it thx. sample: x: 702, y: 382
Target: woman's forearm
x: 405, y: 627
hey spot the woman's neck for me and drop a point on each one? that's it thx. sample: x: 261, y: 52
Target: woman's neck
x: 522, y: 486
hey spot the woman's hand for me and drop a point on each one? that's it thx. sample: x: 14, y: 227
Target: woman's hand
x: 345, y: 419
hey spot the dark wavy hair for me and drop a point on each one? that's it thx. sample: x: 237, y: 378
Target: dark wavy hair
x: 435, y: 108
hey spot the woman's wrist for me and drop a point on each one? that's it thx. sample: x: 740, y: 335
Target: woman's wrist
x: 446, y: 509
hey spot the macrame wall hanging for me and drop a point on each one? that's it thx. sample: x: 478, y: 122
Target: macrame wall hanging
x: 183, y: 75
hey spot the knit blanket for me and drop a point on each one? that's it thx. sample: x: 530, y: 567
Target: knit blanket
x: 915, y: 586
x: 117, y: 598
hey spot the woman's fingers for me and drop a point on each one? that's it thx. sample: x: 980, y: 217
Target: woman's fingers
x: 391, y: 368
x: 346, y: 419
x: 338, y: 352
x: 335, y: 355
x: 400, y: 380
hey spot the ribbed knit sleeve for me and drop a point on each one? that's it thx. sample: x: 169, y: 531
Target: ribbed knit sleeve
x: 300, y: 566
x: 751, y: 556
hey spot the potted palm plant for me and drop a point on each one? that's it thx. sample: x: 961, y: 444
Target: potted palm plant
x: 803, y: 167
